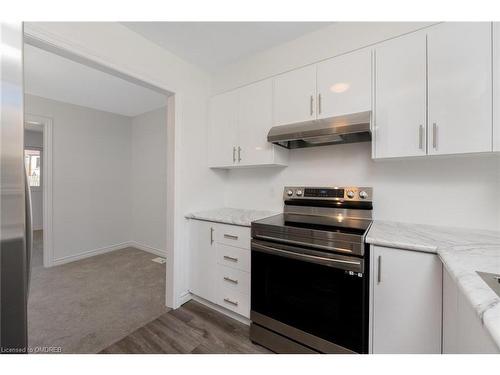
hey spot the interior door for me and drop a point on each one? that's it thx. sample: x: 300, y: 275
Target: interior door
x: 222, y: 145
x: 203, y: 259
x: 255, y: 118
x: 407, y: 302
x: 344, y: 84
x: 400, y: 97
x: 460, y: 88
x: 294, y: 96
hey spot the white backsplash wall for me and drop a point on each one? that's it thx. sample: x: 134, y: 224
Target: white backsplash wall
x: 451, y: 191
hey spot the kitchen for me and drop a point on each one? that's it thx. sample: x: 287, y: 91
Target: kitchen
x: 332, y: 194
x: 417, y: 117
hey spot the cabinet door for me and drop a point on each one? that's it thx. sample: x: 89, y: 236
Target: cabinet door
x: 460, y: 79
x: 407, y: 287
x: 255, y: 118
x: 223, y: 129
x: 202, y: 259
x: 294, y: 96
x: 345, y: 84
x: 400, y: 97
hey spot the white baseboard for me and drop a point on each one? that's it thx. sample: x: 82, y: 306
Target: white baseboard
x: 107, y: 249
x: 149, y: 249
x: 185, y: 297
x: 90, y: 253
x: 220, y: 309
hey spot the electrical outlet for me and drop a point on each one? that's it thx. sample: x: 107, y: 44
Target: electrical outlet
x: 159, y: 260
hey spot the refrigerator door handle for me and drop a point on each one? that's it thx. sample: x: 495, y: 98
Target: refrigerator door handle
x: 29, y: 226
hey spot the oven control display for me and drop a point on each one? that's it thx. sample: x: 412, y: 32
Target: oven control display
x: 324, y: 193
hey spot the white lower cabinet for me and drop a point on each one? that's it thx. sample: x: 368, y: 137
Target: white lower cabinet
x: 406, y: 301
x: 463, y: 332
x: 220, y: 265
x: 202, y: 259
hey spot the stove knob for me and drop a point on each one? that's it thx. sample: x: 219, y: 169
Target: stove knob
x: 350, y: 194
x: 289, y: 193
x: 298, y: 192
x: 363, y: 194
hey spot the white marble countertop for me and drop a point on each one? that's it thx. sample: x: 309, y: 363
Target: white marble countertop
x: 462, y: 251
x: 234, y: 216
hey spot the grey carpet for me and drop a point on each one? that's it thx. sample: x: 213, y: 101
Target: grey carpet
x: 87, y: 305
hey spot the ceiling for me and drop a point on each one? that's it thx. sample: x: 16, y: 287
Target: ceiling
x: 55, y: 77
x: 213, y: 45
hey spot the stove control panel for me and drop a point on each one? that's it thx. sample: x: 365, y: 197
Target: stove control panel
x: 351, y: 193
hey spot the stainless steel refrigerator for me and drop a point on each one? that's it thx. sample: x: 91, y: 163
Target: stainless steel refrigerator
x: 15, y: 204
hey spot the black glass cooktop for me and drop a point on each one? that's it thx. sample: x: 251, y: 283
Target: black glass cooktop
x: 323, y: 223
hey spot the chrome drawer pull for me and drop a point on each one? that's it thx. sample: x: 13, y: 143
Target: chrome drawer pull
x: 231, y: 280
x: 230, y: 258
x: 234, y: 303
x: 230, y: 237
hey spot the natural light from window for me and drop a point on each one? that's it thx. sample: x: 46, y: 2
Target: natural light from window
x: 33, y: 166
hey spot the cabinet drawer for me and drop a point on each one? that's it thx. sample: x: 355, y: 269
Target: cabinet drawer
x: 233, y: 257
x: 234, y: 301
x: 233, y: 279
x: 233, y: 236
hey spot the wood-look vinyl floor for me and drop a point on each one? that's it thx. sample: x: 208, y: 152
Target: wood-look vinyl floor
x: 193, y: 328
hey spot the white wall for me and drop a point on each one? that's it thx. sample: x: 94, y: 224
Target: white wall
x: 149, y: 179
x: 453, y: 191
x: 91, y: 171
x: 458, y: 191
x: 35, y: 139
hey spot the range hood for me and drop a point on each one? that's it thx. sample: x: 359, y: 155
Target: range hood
x: 334, y: 130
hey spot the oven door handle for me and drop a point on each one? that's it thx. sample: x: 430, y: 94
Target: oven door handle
x: 349, y: 265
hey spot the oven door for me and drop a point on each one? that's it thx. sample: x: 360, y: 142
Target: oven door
x: 318, y: 299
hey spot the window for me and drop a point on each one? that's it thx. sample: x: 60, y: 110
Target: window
x: 32, y: 162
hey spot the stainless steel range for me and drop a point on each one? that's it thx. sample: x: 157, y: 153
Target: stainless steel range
x: 310, y: 272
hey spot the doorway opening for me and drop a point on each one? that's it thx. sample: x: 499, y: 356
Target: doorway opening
x: 102, y: 170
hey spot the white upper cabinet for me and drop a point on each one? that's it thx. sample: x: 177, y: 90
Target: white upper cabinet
x: 255, y: 118
x: 295, y: 96
x: 400, y: 97
x: 344, y: 84
x: 239, y: 123
x: 223, y: 130
x: 459, y: 88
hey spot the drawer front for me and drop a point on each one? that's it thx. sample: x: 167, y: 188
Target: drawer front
x: 233, y: 236
x: 233, y: 279
x: 234, y: 301
x: 233, y: 257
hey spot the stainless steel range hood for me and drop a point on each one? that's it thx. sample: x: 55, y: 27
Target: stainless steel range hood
x: 334, y: 130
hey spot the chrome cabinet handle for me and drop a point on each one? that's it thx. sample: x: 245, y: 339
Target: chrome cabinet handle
x: 230, y: 236
x: 234, y: 303
x: 226, y: 257
x: 239, y: 154
x: 319, y: 104
x: 434, y: 135
x: 379, y: 272
x: 234, y: 154
x: 311, y: 104
x: 211, y: 235
x: 231, y: 280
